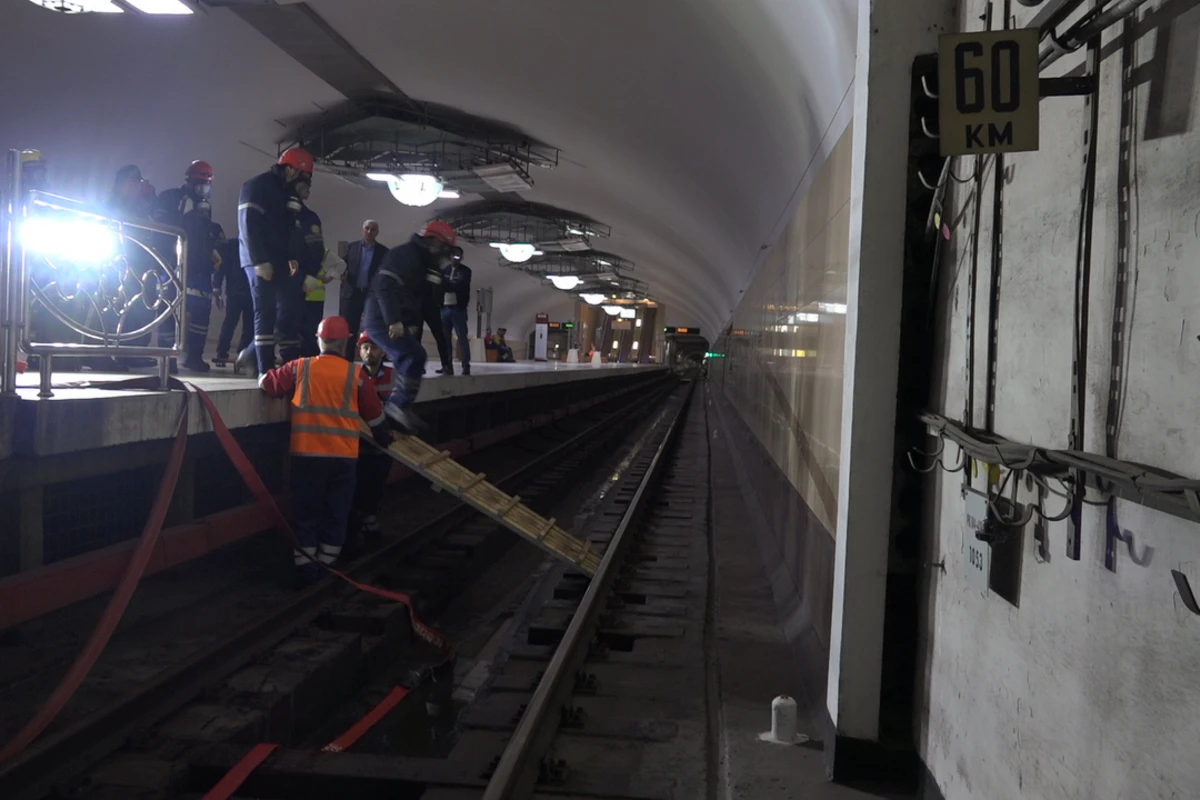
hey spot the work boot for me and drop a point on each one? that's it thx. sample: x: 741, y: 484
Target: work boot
x: 196, y: 364
x: 305, y: 576
x: 247, y: 363
x: 466, y: 370
x: 405, y: 418
x: 370, y: 530
x: 447, y: 369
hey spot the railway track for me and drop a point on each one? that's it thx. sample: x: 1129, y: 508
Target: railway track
x: 603, y: 687
x: 285, y: 673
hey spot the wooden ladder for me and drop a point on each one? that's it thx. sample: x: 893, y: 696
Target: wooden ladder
x: 474, y: 490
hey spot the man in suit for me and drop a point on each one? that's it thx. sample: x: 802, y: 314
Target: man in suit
x: 362, y: 262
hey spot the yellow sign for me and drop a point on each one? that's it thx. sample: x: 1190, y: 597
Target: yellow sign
x: 988, y: 92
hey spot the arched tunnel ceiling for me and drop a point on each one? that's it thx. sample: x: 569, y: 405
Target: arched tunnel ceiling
x: 689, y: 126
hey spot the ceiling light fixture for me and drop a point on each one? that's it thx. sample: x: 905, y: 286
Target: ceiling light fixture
x: 413, y: 189
x: 593, y: 299
x: 628, y: 313
x: 602, y: 261
x: 80, y: 6
x: 564, y: 282
x: 517, y: 253
x: 161, y: 7
x: 576, y: 231
x: 612, y: 311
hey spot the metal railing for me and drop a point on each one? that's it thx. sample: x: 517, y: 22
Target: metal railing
x: 111, y: 295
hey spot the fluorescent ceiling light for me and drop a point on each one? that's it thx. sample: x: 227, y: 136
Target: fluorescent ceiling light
x: 612, y: 311
x: 628, y: 313
x: 593, y: 299
x: 833, y: 308
x: 80, y: 6
x: 575, y: 231
x: 517, y: 253
x: 166, y: 7
x: 602, y: 261
x: 564, y: 282
x: 379, y: 176
x: 448, y: 194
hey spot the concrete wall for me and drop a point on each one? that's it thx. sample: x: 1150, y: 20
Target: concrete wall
x: 1085, y: 689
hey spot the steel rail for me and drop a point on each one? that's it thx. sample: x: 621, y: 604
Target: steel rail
x: 516, y: 772
x: 65, y: 755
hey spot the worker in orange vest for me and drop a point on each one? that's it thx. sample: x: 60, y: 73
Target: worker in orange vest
x: 329, y: 398
x: 373, y: 466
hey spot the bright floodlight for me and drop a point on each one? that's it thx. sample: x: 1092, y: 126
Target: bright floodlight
x: 612, y: 311
x: 593, y: 299
x: 517, y: 253
x: 79, y: 241
x: 167, y: 7
x: 414, y: 190
x: 564, y: 282
x: 81, y: 6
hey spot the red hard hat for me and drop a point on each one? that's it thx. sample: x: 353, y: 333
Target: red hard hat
x: 442, y: 231
x: 199, y: 171
x: 365, y: 338
x: 299, y: 158
x: 333, y: 328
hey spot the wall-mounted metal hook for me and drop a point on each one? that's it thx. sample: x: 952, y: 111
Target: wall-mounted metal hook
x: 926, y: 131
x: 1185, y: 591
x: 935, y: 457
x: 921, y: 177
x: 1066, y: 512
x: 925, y: 88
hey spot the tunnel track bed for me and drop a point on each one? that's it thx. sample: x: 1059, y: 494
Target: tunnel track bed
x: 340, y: 636
x: 604, y: 690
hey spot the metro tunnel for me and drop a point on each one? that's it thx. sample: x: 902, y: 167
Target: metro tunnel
x: 631, y: 400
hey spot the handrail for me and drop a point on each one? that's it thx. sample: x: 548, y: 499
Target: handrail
x: 118, y: 288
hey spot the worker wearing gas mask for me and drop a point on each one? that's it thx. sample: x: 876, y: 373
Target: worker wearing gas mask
x: 188, y: 208
x: 267, y: 211
x: 394, y: 312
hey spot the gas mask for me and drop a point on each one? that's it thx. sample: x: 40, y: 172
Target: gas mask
x: 294, y: 204
x: 302, y: 186
x: 202, y: 190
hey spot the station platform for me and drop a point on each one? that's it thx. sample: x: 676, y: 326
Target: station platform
x: 79, y: 470
x: 84, y: 415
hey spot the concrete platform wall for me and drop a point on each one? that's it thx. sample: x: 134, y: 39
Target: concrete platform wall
x: 1085, y: 688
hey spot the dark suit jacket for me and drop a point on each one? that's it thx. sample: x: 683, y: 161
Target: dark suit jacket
x: 352, y: 258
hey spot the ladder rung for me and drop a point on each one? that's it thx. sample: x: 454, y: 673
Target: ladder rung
x: 513, y: 502
x: 426, y: 463
x: 471, y: 484
x: 545, y: 531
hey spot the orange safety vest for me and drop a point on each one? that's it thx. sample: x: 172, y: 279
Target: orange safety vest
x: 325, y: 420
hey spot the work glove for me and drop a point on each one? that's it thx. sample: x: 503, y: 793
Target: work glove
x: 293, y: 268
x: 397, y: 330
x: 382, y: 435
x: 265, y: 271
x: 311, y: 284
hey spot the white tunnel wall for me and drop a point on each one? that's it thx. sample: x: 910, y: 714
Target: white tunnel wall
x: 1086, y: 690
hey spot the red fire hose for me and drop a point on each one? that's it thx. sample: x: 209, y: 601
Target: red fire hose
x: 136, y: 568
